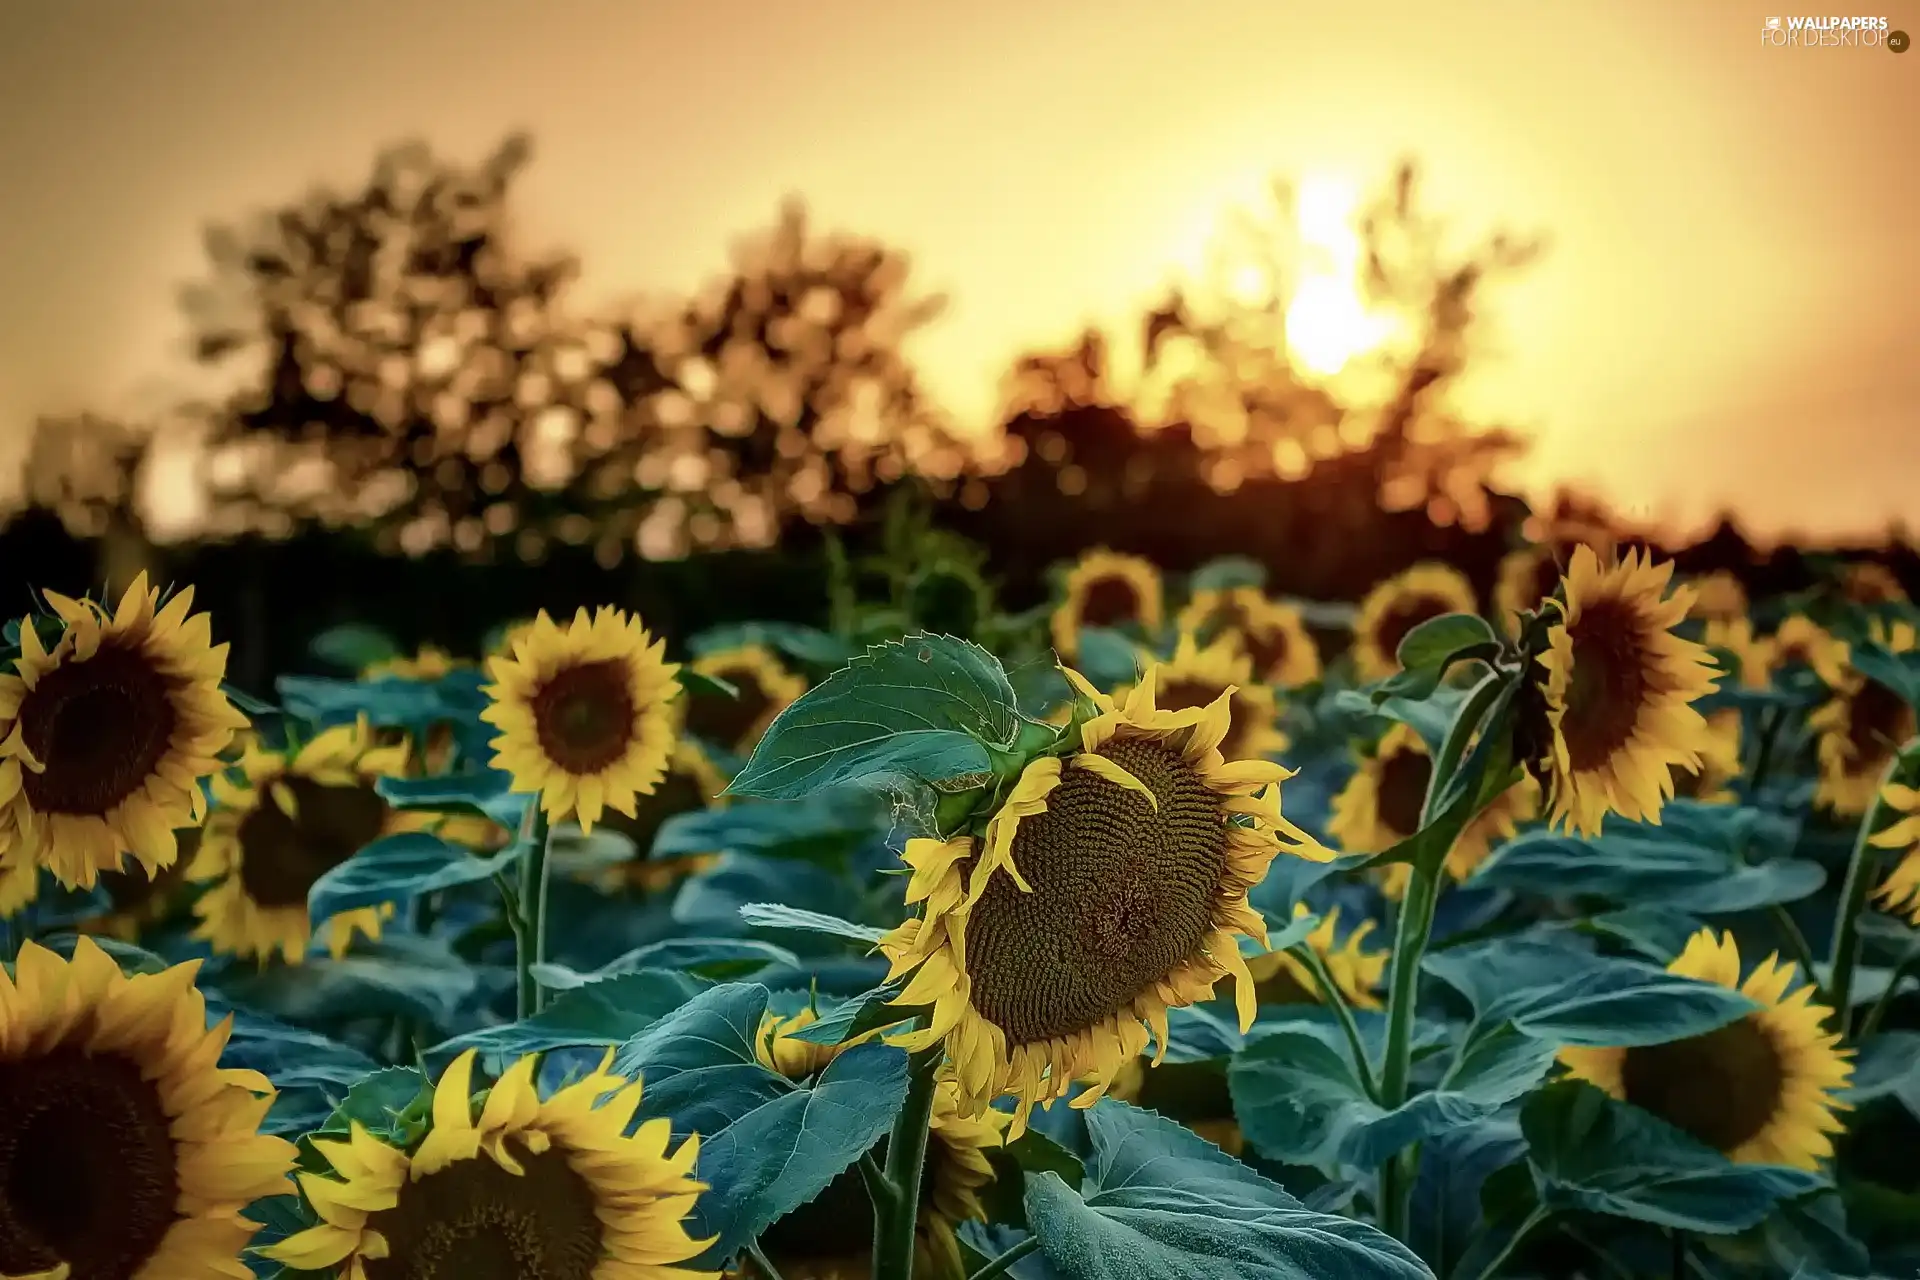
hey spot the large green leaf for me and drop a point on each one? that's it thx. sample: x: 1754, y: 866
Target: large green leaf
x: 1646, y: 865
x: 1435, y: 642
x: 610, y: 1011
x: 1591, y: 1153
x: 1454, y: 1168
x: 397, y: 977
x: 823, y: 825
x: 808, y: 645
x: 926, y: 708
x: 1160, y: 1203
x: 488, y: 792
x: 398, y: 869
x: 1888, y: 1067
x: 718, y: 958
x: 1899, y: 672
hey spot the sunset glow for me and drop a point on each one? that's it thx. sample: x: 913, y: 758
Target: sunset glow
x: 1329, y: 322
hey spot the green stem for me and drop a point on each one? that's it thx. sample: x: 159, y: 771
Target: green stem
x: 1863, y: 867
x: 1796, y: 941
x: 1331, y: 994
x: 893, y: 1225
x: 530, y: 937
x: 1763, y: 753
x: 1409, y: 949
x: 1878, y: 1013
x: 1537, y: 1215
x: 1454, y: 748
x: 761, y: 1264
x: 1004, y: 1263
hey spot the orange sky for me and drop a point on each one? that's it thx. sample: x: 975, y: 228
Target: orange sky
x: 1731, y: 311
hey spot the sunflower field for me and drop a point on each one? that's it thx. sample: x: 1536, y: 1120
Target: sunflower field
x: 1169, y: 931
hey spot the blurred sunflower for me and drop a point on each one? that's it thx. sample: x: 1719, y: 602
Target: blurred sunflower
x: 1900, y: 891
x: 1719, y: 762
x: 1753, y: 655
x: 551, y: 1187
x: 1397, y: 606
x: 1382, y: 802
x: 138, y: 899
x: 289, y: 819
x: 1194, y: 677
x: 1761, y: 1090
x: 1273, y: 633
x: 19, y: 886
x: 831, y: 1236
x: 1280, y: 978
x: 126, y: 1153
x: 1717, y: 597
x: 692, y: 782
x: 1528, y: 576
x: 1860, y: 729
x: 1801, y: 642
x: 1193, y: 1094
x: 585, y: 714
x: 1869, y: 582
x: 1619, y: 691
x: 1105, y: 589
x: 766, y: 689
x: 105, y: 737
x: 430, y: 663
x: 1109, y: 886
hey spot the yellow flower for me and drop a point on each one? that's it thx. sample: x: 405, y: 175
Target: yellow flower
x: 1620, y: 689
x: 1108, y: 886
x: 1869, y: 582
x: 1718, y: 597
x: 1754, y: 654
x: 1280, y: 978
x: 1719, y: 762
x: 586, y: 715
x: 533, y: 1187
x: 290, y: 819
x: 1397, y: 606
x: 429, y: 664
x: 1859, y: 730
x: 135, y: 898
x: 1107, y: 590
x: 1527, y: 577
x: 1194, y: 677
x: 1381, y: 805
x: 1900, y: 891
x: 1802, y: 642
x: 766, y: 689
x: 125, y: 1151
x: 105, y: 737
x: 1273, y: 633
x: 1761, y: 1090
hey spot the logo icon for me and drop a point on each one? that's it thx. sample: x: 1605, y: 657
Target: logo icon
x: 1773, y: 24
x: 1898, y: 41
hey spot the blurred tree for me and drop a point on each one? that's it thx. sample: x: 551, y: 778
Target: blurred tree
x: 87, y: 471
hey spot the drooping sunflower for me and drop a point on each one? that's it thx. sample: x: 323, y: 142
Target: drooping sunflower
x: 1380, y: 806
x: 1280, y: 978
x: 289, y: 819
x: 585, y: 714
x: 1272, y: 632
x: 1860, y: 729
x: 1869, y: 582
x: 692, y: 782
x: 1193, y: 677
x: 126, y: 1153
x: 1900, y: 891
x: 1105, y: 589
x: 1718, y: 597
x: 1619, y: 692
x: 551, y: 1187
x: 1528, y: 576
x: 1761, y: 1090
x: 766, y: 689
x: 1754, y: 654
x: 1398, y: 605
x: 1109, y: 886
x: 1802, y: 642
x: 104, y: 738
x: 1719, y: 762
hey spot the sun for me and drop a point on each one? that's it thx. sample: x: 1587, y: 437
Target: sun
x: 1329, y: 321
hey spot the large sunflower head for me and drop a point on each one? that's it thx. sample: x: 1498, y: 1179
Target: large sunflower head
x: 1105, y: 589
x: 585, y: 713
x: 1711, y: 782
x: 1802, y: 642
x: 692, y: 782
x: 551, y: 1188
x: 1107, y: 886
x: 1272, y: 632
x: 1195, y: 676
x: 288, y: 819
x: 125, y: 1152
x: 1900, y: 891
x: 104, y: 738
x: 1718, y: 597
x: 1762, y: 1089
x: 1753, y: 654
x: 1860, y: 729
x: 765, y: 686
x: 1397, y: 606
x: 1280, y: 978
x: 1528, y: 576
x: 1619, y: 692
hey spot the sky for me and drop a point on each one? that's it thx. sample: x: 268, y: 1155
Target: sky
x: 1729, y: 313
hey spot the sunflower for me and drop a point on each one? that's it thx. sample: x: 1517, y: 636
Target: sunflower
x: 1869, y: 582
x: 1105, y: 589
x: 125, y: 1152
x: 1754, y: 654
x: 105, y: 737
x: 1527, y: 577
x: 766, y: 689
x: 1761, y: 1090
x: 1800, y: 641
x: 1194, y: 677
x: 1382, y: 802
x: 1900, y: 891
x: 136, y: 898
x: 429, y: 664
x: 1860, y: 729
x: 586, y: 715
x: 1273, y: 633
x: 1109, y: 885
x: 291, y: 817
x: 1280, y: 978
x: 19, y: 886
x: 1620, y: 688
x: 1718, y: 597
x: 553, y: 1188
x: 1719, y: 762
x: 1397, y: 606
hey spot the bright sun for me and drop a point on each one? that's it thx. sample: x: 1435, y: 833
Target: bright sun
x: 1328, y: 322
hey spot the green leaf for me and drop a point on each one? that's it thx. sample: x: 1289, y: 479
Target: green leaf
x: 1454, y: 1169
x: 1635, y: 865
x: 775, y: 915
x: 607, y: 1012
x: 1430, y: 716
x: 721, y: 959
x: 1223, y: 573
x: 1033, y: 1152
x: 843, y: 1020
x: 399, y: 977
x: 1435, y: 642
x: 820, y: 826
x: 1658, y: 933
x: 398, y: 869
x: 1899, y: 672
x: 1593, y: 1154
x: 700, y: 685
x: 1161, y: 1203
x: 807, y: 645
x: 1108, y: 658
x: 353, y: 647
x: 925, y: 708
x: 487, y: 792
x: 1888, y: 1066
x: 132, y: 960
x: 386, y: 702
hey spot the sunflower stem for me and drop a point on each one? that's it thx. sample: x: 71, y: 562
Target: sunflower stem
x: 1878, y: 1013
x: 1862, y: 868
x: 1330, y: 992
x: 893, y: 1225
x: 1537, y: 1215
x: 1796, y: 940
x: 1763, y: 752
x: 530, y: 938
x: 1000, y: 1265
x: 1409, y: 949
x: 765, y: 1268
